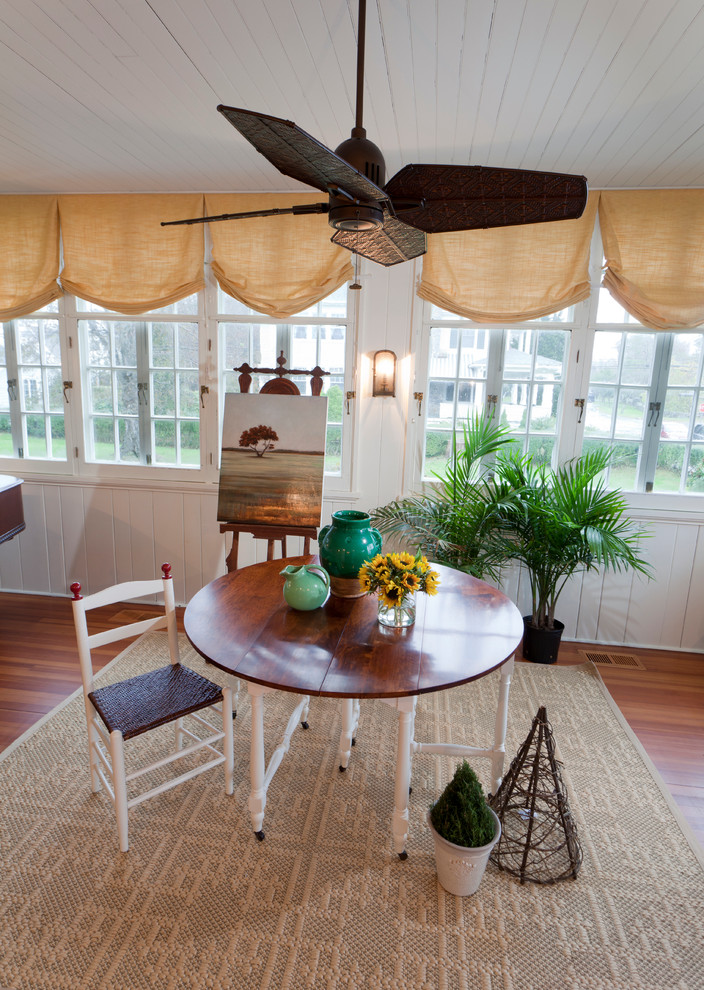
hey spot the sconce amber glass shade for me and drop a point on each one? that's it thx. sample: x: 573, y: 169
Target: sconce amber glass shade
x: 384, y: 367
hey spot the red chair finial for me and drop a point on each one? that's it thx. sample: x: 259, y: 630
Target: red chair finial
x: 166, y: 571
x: 76, y: 589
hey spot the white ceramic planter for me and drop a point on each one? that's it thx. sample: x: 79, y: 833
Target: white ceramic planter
x: 461, y: 868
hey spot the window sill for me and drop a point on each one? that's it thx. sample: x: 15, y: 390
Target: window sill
x: 657, y: 505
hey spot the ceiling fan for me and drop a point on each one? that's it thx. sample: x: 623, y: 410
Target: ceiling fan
x: 387, y: 223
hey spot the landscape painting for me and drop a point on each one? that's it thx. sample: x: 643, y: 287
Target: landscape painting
x: 273, y: 452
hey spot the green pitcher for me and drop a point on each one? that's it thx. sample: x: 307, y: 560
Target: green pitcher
x: 343, y: 546
x: 306, y: 587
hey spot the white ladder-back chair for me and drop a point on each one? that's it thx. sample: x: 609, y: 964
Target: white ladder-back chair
x: 132, y: 707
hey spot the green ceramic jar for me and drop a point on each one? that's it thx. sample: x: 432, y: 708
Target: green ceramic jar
x: 343, y: 546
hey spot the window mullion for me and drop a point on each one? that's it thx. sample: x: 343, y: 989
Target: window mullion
x: 571, y: 422
x: 656, y: 404
x: 145, y: 402
x: 494, y: 372
x: 13, y: 390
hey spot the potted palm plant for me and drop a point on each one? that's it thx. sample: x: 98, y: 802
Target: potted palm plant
x: 553, y: 522
x: 465, y: 830
x: 451, y: 520
x: 566, y: 520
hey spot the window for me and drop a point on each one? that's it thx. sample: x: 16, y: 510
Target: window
x: 646, y: 400
x: 320, y: 336
x: 31, y: 389
x: 587, y: 377
x: 141, y: 386
x: 516, y: 374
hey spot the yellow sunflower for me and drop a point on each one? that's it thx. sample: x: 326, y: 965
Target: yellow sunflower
x: 431, y: 583
x: 391, y: 595
x: 411, y: 581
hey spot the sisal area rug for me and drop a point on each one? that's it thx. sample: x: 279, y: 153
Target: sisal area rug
x: 324, y: 902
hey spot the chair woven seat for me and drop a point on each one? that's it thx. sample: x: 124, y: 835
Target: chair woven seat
x: 141, y: 703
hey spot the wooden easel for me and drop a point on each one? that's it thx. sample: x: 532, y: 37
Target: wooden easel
x: 273, y: 534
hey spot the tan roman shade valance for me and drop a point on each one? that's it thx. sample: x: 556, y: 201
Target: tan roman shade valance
x: 510, y: 273
x: 278, y: 265
x: 654, y: 248
x: 117, y: 254
x: 29, y: 254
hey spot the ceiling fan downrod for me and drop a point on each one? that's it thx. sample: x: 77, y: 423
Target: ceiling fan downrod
x: 360, y: 153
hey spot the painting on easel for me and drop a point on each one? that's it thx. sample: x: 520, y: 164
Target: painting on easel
x: 272, y: 458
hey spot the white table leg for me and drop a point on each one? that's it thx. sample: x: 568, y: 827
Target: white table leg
x: 349, y: 708
x: 257, y: 796
x: 408, y: 747
x: 498, y: 754
x: 399, y: 822
x: 260, y: 774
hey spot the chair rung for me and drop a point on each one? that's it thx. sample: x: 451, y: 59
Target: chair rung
x: 106, y: 784
x: 126, y: 632
x: 203, y: 721
x: 100, y: 729
x: 103, y: 758
x: 206, y: 745
x: 172, y: 757
x: 174, y: 781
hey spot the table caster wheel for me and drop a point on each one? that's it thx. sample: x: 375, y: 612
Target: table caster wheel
x: 403, y: 855
x: 234, y: 715
x: 304, y: 725
x: 354, y: 742
x: 260, y: 835
x: 342, y: 769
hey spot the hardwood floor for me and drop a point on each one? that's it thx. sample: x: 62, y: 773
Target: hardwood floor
x: 663, y: 703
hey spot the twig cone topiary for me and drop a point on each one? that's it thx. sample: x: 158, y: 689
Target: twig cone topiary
x: 538, y: 838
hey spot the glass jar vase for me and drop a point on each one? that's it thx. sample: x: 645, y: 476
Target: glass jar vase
x: 398, y: 616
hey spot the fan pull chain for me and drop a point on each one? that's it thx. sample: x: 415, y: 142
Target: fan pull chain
x: 356, y: 284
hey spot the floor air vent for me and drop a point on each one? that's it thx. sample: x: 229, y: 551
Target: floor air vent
x: 613, y: 659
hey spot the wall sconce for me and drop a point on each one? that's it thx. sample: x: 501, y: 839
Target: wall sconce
x: 384, y: 373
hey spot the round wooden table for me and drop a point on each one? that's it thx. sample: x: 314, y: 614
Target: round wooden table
x: 241, y: 624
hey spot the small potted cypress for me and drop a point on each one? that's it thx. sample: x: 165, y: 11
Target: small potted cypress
x: 465, y: 830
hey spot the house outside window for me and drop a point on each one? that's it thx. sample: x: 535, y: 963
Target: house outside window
x: 516, y: 374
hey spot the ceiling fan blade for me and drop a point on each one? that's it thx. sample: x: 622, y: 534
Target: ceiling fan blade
x: 388, y: 245
x: 466, y: 197
x: 295, y: 153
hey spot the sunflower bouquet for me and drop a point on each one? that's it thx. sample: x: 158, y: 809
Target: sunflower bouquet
x: 395, y: 578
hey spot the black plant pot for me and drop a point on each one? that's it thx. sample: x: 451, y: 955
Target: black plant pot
x: 541, y: 645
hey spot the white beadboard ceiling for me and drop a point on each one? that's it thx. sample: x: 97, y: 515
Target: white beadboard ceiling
x: 120, y: 95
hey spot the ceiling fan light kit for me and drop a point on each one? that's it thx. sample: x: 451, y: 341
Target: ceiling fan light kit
x: 387, y: 222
